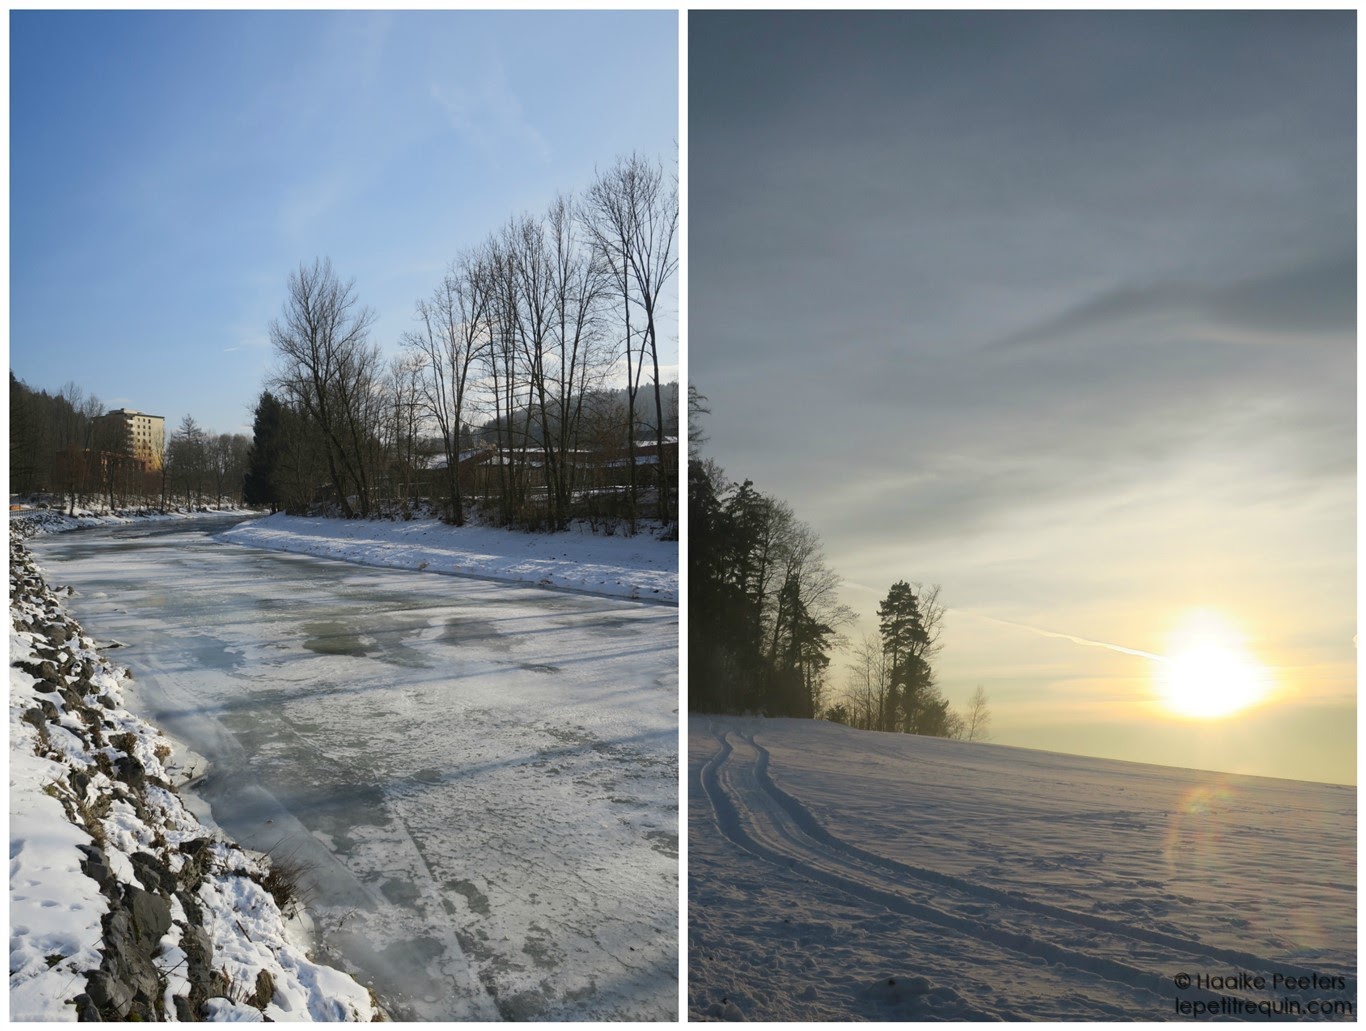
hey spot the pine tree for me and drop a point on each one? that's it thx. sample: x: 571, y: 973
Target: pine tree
x: 904, y: 640
x: 259, y: 487
x: 909, y: 624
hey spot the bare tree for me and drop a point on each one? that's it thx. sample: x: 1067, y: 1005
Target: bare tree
x: 953, y: 725
x: 799, y: 557
x: 869, y: 690
x: 73, y: 428
x: 529, y: 264
x: 402, y: 438
x: 189, y: 459
x: 455, y: 331
x: 226, y: 458
x: 576, y: 285
x: 167, y: 458
x: 301, y: 463
x: 328, y: 369
x: 977, y: 717
x: 634, y: 218
x: 509, y: 379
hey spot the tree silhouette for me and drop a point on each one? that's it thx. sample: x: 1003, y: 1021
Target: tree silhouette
x: 909, y: 621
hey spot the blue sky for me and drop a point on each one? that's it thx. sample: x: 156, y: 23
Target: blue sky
x: 169, y: 169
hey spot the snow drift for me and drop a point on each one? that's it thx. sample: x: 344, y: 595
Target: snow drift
x: 640, y: 567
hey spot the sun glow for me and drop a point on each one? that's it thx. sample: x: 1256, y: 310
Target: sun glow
x: 1208, y: 673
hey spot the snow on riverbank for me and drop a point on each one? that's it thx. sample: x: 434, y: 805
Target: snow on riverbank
x: 642, y: 567
x: 122, y: 905
x: 839, y: 874
x: 32, y: 522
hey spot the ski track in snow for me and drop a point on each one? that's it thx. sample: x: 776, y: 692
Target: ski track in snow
x: 1111, y: 969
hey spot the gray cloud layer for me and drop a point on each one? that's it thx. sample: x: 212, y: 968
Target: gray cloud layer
x: 1012, y: 256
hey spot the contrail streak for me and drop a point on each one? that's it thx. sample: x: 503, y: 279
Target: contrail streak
x: 1066, y: 637
x: 1085, y: 641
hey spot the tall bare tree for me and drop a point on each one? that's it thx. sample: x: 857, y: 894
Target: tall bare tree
x: 509, y: 380
x: 577, y: 285
x: 188, y: 451
x: 633, y: 213
x: 529, y: 265
x: 329, y: 369
x: 402, y: 436
x: 869, y: 691
x: 226, y: 458
x: 73, y: 425
x: 455, y: 330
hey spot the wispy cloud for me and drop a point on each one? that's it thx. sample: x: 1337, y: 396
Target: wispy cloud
x: 1306, y: 299
x: 247, y: 338
x: 311, y: 201
x: 491, y: 115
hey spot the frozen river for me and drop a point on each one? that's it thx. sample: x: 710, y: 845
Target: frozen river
x: 479, y: 781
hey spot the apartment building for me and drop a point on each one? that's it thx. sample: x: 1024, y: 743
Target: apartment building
x: 146, y: 435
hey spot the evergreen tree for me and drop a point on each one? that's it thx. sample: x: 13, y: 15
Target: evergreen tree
x: 909, y: 624
x: 904, y: 639
x: 261, y: 486
x: 803, y: 651
x: 26, y: 463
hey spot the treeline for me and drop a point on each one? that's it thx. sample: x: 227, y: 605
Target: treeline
x: 203, y: 467
x: 763, y: 620
x: 62, y: 448
x: 763, y: 616
x: 502, y: 394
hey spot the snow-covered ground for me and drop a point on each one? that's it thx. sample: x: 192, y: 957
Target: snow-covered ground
x: 837, y: 874
x: 642, y: 567
x: 478, y: 779
x: 78, y: 754
x: 32, y: 522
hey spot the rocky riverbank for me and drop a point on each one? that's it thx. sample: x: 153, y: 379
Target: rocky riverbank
x: 123, y: 906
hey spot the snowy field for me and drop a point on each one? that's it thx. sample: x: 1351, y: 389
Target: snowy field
x: 837, y: 874
x: 477, y: 779
x: 629, y: 567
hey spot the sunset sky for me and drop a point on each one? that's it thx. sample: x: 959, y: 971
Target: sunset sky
x: 1056, y: 310
x: 169, y: 169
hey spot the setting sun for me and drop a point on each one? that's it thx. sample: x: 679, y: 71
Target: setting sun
x: 1209, y: 673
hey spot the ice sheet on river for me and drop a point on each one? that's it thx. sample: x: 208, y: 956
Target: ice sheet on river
x: 479, y: 779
